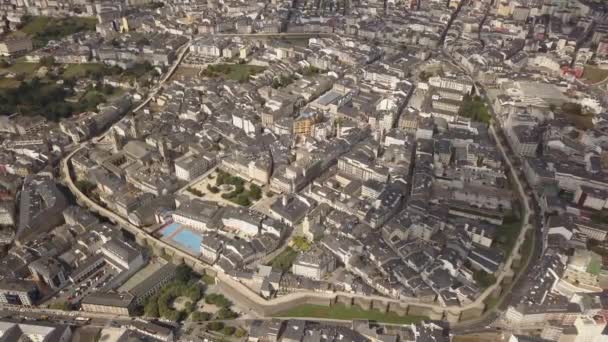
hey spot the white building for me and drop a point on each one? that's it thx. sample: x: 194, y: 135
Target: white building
x: 122, y: 256
x: 314, y: 264
x: 245, y: 222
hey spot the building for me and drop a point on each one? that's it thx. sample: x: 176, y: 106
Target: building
x: 245, y: 222
x: 152, y: 283
x: 189, y: 167
x: 523, y: 140
x: 48, y: 270
x: 305, y: 123
x: 314, y: 264
x: 200, y: 215
x: 211, y: 247
x: 40, y: 207
x: 15, y: 46
x: 122, y: 256
x: 583, y: 270
x: 38, y: 332
x: 355, y: 166
x: 18, y: 292
x: 108, y: 302
x: 7, y: 213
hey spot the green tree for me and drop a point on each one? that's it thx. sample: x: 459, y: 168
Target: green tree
x: 85, y: 186
x: 242, y: 200
x: 151, y: 308
x: 228, y: 330
x: 183, y: 273
x: 255, y: 192
x: 198, y: 316
x: 240, y: 332
x: 215, y: 326
x: 61, y: 305
x: 484, y: 279
x: 47, y: 61
x: 194, y: 292
x: 217, y: 300
x: 226, y: 313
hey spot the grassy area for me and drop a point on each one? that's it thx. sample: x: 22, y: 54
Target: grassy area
x: 237, y: 72
x: 22, y: 71
x: 7, y: 83
x: 208, y: 280
x: 44, y: 29
x: 339, y: 311
x: 82, y: 70
x: 298, y: 41
x: 526, y: 250
x: 474, y: 107
x: 284, y: 260
x: 301, y: 243
x: 594, y: 74
x: 491, y: 302
x: 507, y: 234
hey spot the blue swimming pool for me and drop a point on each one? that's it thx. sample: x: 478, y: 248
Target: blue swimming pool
x: 170, y: 229
x: 189, y: 240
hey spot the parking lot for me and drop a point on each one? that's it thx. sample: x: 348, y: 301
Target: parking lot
x: 73, y: 293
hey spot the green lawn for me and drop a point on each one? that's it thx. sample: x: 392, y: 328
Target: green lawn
x: 507, y: 234
x: 44, y: 29
x: 491, y: 302
x: 236, y: 72
x: 475, y: 108
x: 22, y: 67
x: 7, y: 83
x: 82, y: 70
x: 284, y: 260
x: 339, y: 311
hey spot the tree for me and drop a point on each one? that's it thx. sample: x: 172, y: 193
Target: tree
x: 572, y: 108
x: 85, y: 186
x: 240, y: 332
x: 151, y: 309
x: 198, y: 316
x: 194, y: 292
x: 215, y: 326
x: 217, y: 300
x: 255, y: 192
x: 62, y: 305
x: 183, y: 273
x: 484, y: 279
x: 228, y: 330
x: 242, y: 200
x: 47, y: 61
x: 226, y: 313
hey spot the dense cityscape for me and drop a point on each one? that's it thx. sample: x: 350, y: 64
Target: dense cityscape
x: 304, y: 171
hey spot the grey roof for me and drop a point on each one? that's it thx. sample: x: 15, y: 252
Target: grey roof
x: 122, y: 300
x: 122, y: 249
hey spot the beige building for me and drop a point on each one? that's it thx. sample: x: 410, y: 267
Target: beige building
x: 583, y: 269
x: 110, y: 303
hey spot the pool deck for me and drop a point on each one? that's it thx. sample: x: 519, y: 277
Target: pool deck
x: 182, y: 237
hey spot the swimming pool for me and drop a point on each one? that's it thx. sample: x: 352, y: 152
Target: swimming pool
x: 189, y: 240
x: 170, y: 229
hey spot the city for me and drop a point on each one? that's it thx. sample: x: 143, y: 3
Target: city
x: 303, y: 171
